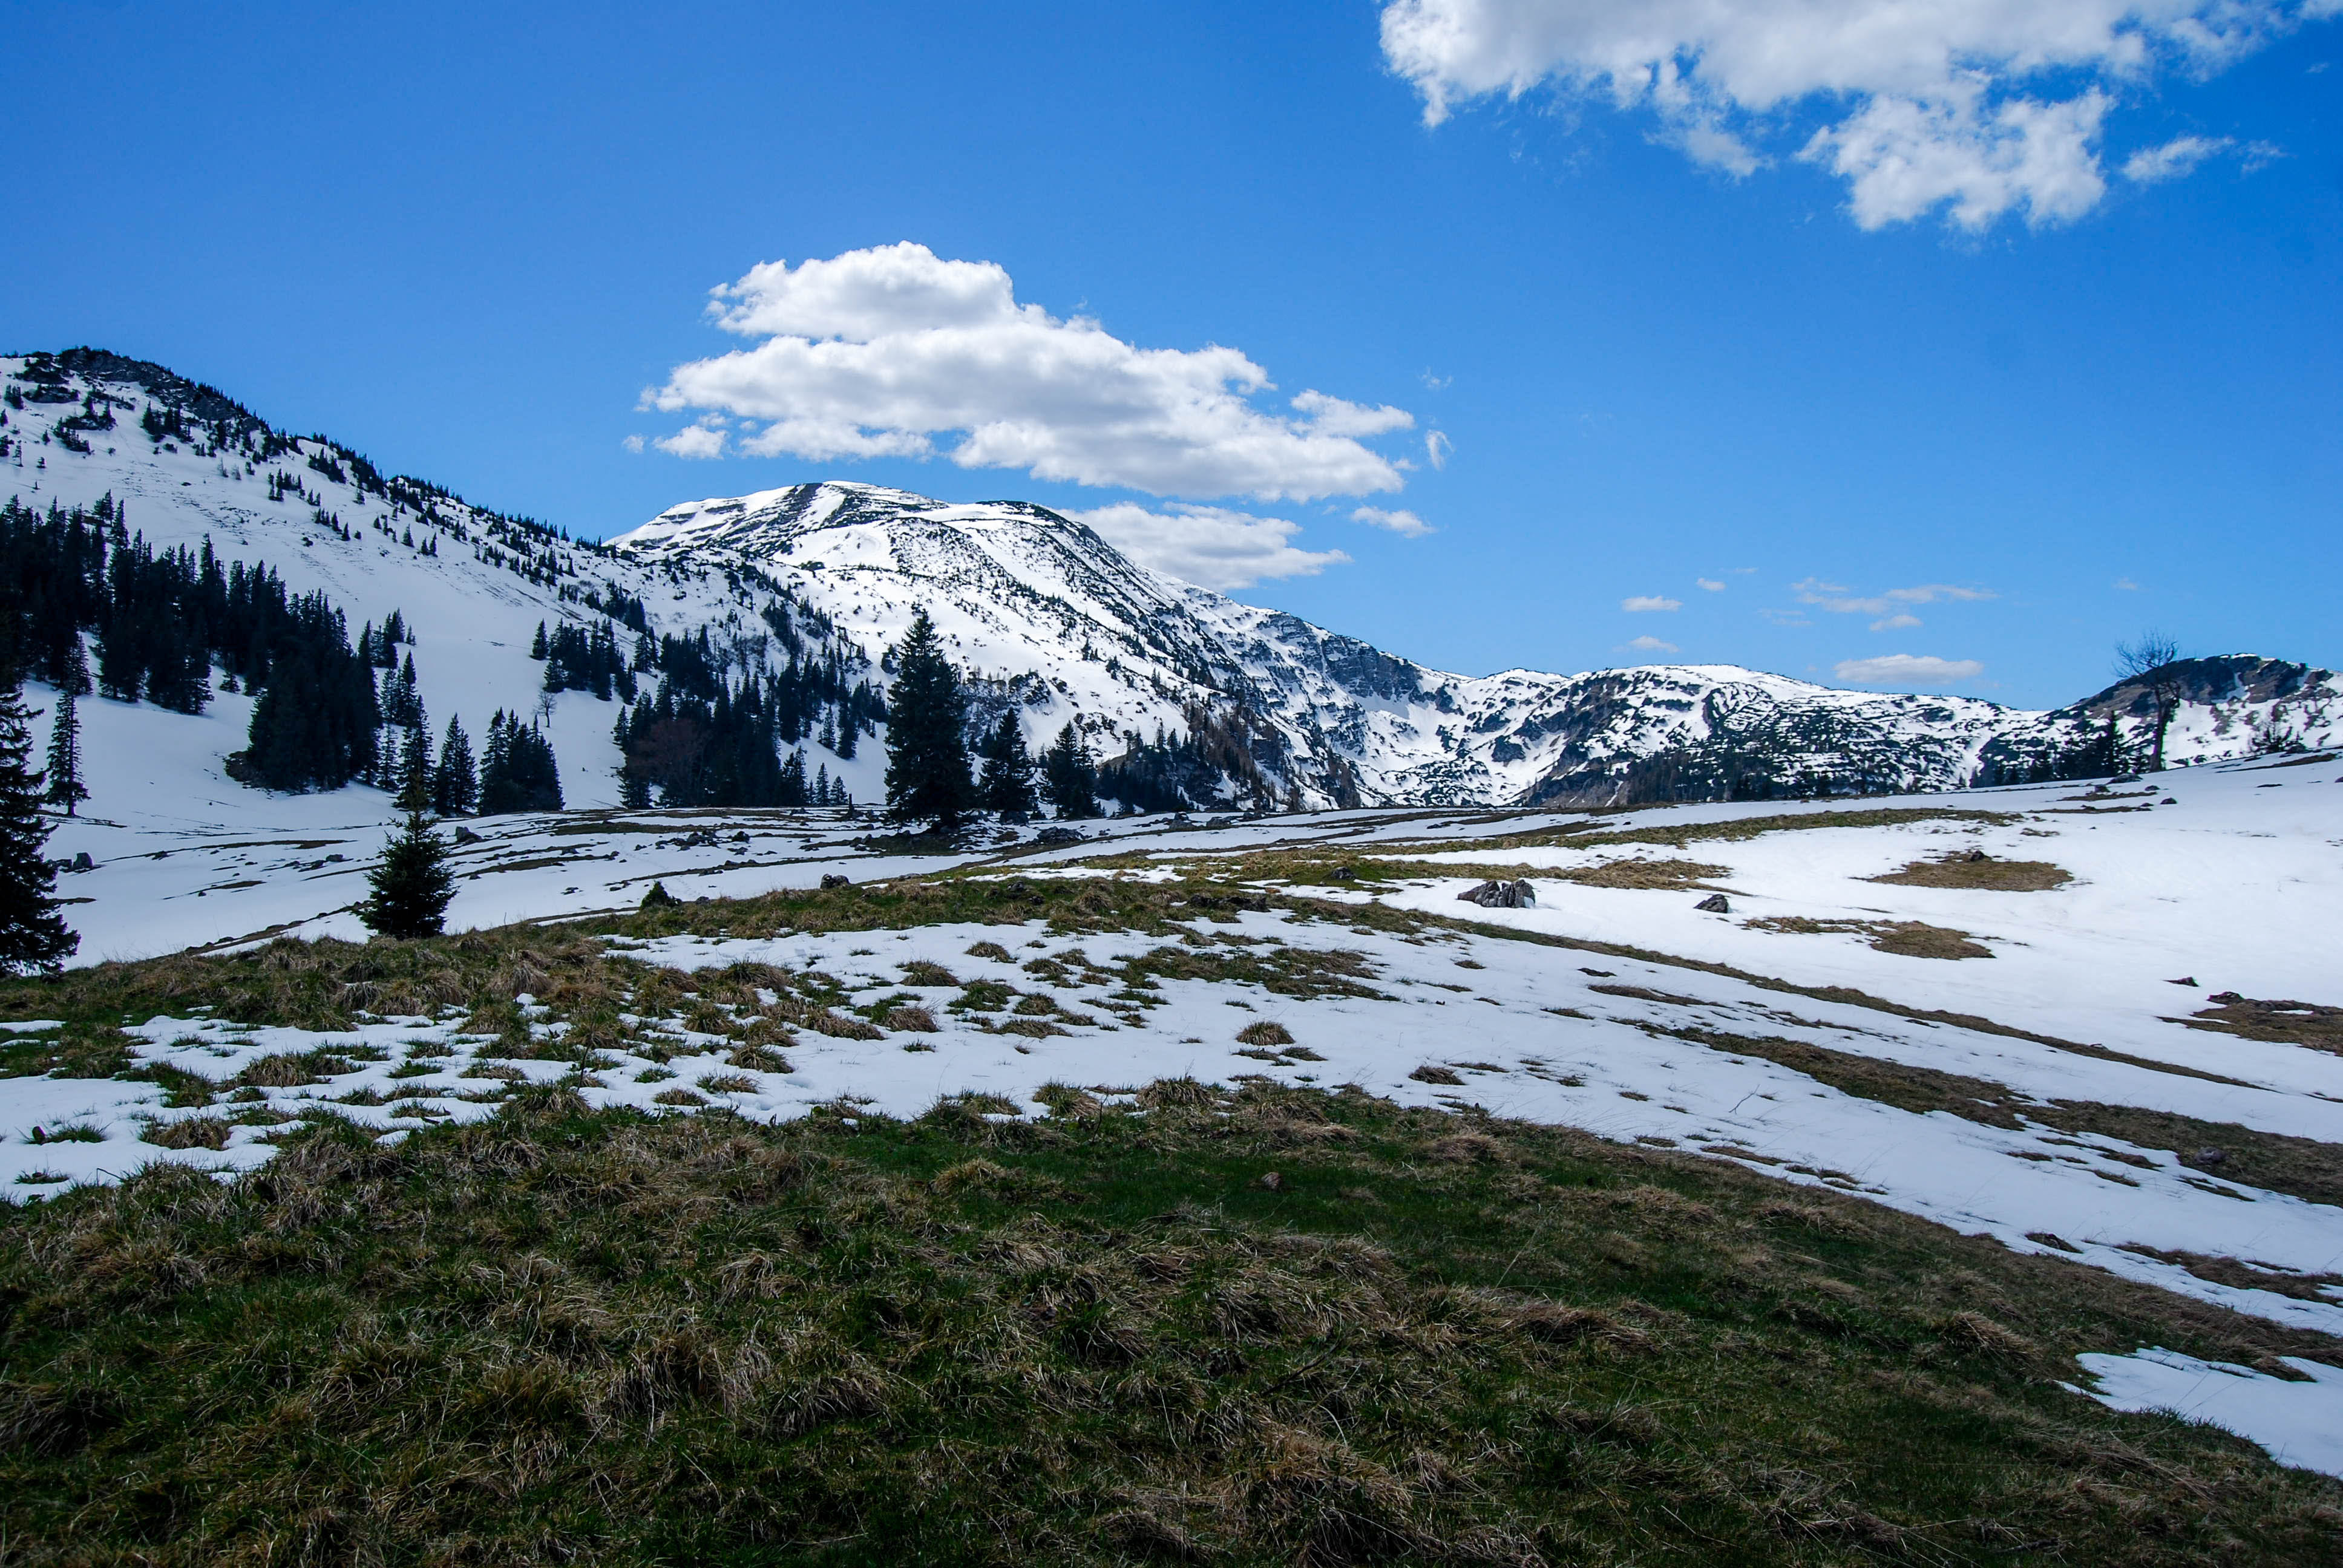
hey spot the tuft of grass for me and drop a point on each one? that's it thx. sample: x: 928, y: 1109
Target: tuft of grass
x: 1264, y: 1033
x: 189, y: 1132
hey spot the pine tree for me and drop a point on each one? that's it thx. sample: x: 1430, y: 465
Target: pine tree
x: 66, y: 789
x: 1006, y: 783
x: 1070, y: 776
x: 33, y: 935
x: 409, y: 890
x: 456, y: 787
x: 927, y: 755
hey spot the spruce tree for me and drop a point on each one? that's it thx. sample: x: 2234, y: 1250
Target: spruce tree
x: 1070, y: 776
x: 1006, y: 782
x: 456, y: 787
x: 927, y: 755
x: 409, y: 890
x: 66, y: 789
x: 33, y: 935
x: 415, y: 773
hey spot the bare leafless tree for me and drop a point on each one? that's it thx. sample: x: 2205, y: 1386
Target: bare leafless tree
x: 2150, y: 661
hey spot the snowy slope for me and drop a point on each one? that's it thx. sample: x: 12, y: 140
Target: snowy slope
x: 1052, y: 621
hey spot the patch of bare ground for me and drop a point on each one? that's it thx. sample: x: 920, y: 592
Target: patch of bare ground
x: 2247, y: 1274
x: 1905, y: 939
x: 1976, y: 868
x: 2305, y: 1023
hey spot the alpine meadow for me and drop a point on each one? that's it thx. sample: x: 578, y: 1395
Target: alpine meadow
x: 1466, y: 782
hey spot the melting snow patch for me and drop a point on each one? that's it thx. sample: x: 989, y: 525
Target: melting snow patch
x: 2301, y: 1423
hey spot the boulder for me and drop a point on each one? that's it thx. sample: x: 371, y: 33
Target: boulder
x: 836, y: 879
x: 1500, y: 896
x: 1713, y: 904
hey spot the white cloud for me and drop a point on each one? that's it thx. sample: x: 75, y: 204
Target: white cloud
x: 2124, y: 585
x: 1210, y: 546
x: 1899, y: 621
x: 2173, y: 160
x: 1436, y: 447
x: 632, y: 443
x: 1406, y: 524
x: 879, y: 353
x: 1837, y: 599
x: 1650, y: 645
x: 1639, y: 603
x: 693, y: 442
x: 1710, y: 585
x: 1978, y: 108
x: 1906, y: 670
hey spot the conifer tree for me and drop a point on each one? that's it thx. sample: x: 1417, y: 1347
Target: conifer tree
x: 415, y: 773
x: 66, y: 789
x: 73, y: 669
x: 927, y: 755
x: 456, y: 787
x: 1006, y: 782
x: 793, y: 779
x: 33, y: 935
x: 409, y: 890
x: 1070, y: 776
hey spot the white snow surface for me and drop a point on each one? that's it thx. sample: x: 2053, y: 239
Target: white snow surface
x: 2297, y: 1422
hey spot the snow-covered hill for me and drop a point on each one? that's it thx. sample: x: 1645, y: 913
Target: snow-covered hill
x: 1051, y: 621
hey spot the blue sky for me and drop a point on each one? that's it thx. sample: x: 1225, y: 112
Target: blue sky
x: 1869, y: 327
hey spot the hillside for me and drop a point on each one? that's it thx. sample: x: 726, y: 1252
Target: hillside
x: 1261, y: 708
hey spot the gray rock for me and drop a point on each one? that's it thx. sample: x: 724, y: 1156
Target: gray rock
x: 1500, y: 896
x: 1713, y: 904
x: 836, y: 879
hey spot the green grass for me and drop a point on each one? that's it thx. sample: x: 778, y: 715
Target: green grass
x: 1245, y: 1325
x: 1103, y: 1337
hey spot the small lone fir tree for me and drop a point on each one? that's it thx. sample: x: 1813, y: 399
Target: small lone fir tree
x: 927, y: 755
x: 33, y: 935
x: 1005, y: 784
x: 66, y: 789
x: 409, y: 891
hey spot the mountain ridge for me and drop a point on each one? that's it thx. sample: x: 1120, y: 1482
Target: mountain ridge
x: 1049, y: 620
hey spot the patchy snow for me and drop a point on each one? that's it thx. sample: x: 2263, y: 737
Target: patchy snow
x: 2297, y: 1422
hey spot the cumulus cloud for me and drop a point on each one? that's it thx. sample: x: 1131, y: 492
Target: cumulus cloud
x: 896, y: 352
x: 1978, y: 108
x: 1709, y: 585
x: 1406, y: 524
x: 1906, y: 670
x: 1638, y: 604
x: 1650, y: 645
x: 1839, y: 599
x: 1899, y: 621
x: 1210, y: 546
x: 693, y: 442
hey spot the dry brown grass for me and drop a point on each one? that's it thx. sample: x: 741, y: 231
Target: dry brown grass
x: 2304, y: 1023
x: 1639, y: 873
x: 1905, y: 939
x: 1975, y: 868
x: 1264, y: 1033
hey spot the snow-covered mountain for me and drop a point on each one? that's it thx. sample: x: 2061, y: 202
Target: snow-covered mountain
x: 1049, y: 619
